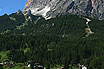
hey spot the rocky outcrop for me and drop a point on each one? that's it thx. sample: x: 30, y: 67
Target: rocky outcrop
x: 52, y: 8
x: 88, y: 30
x: 19, y: 12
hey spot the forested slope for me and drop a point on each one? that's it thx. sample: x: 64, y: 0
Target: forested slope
x: 58, y: 41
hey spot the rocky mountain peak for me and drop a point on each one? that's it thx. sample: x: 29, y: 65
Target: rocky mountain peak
x: 28, y: 2
x: 19, y: 12
x: 52, y: 8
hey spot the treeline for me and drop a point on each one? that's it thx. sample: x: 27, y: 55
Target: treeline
x: 55, y: 50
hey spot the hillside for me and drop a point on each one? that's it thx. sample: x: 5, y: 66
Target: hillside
x: 57, y: 41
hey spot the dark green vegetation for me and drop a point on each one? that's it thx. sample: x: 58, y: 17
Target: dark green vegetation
x: 57, y: 41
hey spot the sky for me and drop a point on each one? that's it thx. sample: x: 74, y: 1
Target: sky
x: 11, y: 6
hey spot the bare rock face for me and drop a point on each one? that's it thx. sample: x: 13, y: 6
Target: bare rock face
x: 52, y: 8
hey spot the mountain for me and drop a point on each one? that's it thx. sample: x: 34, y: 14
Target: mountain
x: 64, y: 40
x: 52, y: 8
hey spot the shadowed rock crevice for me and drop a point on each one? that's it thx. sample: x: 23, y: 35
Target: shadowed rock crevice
x: 70, y: 6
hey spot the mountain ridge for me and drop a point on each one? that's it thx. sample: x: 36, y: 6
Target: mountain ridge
x: 52, y: 8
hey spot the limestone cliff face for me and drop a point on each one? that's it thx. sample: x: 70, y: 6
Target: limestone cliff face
x: 52, y: 8
x: 28, y: 3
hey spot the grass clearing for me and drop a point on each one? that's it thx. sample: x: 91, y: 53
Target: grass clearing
x: 26, y: 50
x: 4, y: 55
